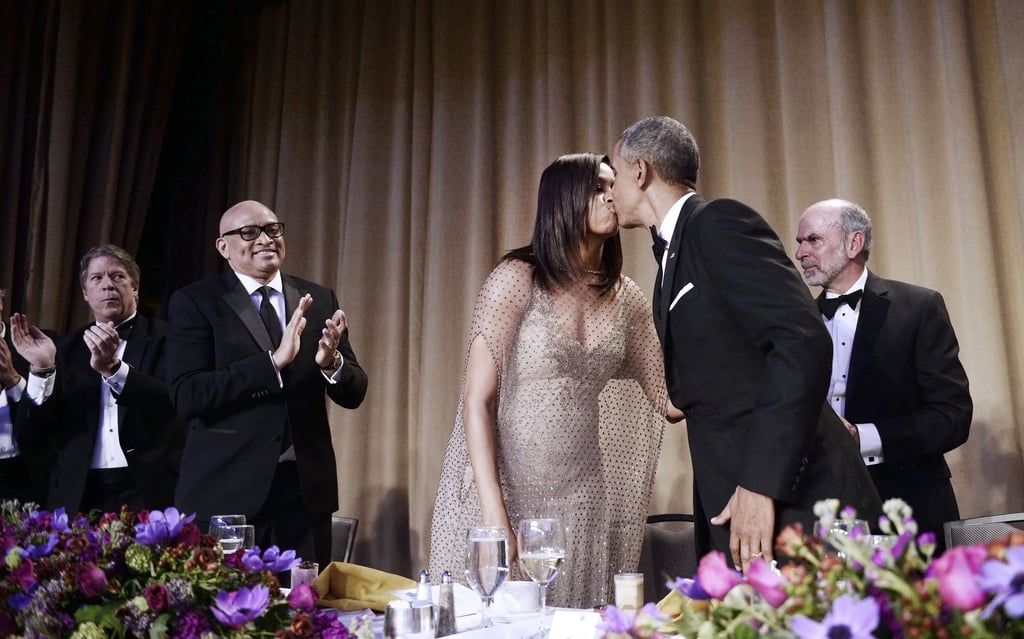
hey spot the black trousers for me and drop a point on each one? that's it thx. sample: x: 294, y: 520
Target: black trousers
x: 283, y: 520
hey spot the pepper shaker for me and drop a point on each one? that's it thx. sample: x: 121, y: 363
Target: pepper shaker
x: 446, y: 606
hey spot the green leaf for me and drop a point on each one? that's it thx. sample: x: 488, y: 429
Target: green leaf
x: 104, y: 616
x: 159, y: 628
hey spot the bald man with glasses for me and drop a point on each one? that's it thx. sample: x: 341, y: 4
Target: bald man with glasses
x: 251, y: 354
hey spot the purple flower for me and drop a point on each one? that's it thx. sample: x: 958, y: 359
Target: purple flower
x: 302, y: 597
x: 767, y: 582
x: 956, y: 571
x: 235, y: 609
x: 715, y: 575
x: 192, y: 625
x: 162, y: 525
x: 1006, y: 581
x: 92, y: 580
x: 24, y: 575
x: 617, y: 621
x: 689, y: 588
x: 273, y: 559
x: 35, y: 551
x: 849, y: 618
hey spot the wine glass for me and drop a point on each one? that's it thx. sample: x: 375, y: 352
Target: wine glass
x: 486, y: 563
x: 217, y: 521
x: 541, y: 552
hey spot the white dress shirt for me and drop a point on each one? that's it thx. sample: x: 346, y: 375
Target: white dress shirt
x: 668, y: 228
x: 842, y: 327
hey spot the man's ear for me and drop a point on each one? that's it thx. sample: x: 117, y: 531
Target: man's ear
x: 854, y: 244
x: 642, y: 173
x: 222, y: 247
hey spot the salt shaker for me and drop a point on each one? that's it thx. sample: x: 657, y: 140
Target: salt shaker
x: 446, y: 606
x: 423, y: 587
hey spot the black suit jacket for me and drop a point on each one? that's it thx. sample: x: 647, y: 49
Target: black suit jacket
x: 67, y: 423
x: 748, y: 359
x: 224, y: 382
x: 906, y: 377
x: 34, y: 466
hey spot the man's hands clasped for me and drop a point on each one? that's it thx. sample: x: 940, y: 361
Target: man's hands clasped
x: 326, y: 347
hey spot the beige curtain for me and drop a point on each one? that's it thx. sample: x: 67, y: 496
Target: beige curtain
x: 402, y: 142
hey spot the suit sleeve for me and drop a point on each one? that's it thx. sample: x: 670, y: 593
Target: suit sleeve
x: 940, y: 419
x: 761, y: 289
x: 350, y: 388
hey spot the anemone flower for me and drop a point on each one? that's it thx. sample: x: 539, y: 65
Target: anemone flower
x: 689, y: 588
x: 235, y: 609
x: 1006, y: 581
x: 272, y: 560
x: 848, y: 618
x: 617, y: 621
x: 162, y: 525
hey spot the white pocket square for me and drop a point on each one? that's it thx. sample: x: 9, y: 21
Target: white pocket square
x: 683, y: 291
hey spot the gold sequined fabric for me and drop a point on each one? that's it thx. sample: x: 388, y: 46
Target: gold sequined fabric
x: 580, y: 417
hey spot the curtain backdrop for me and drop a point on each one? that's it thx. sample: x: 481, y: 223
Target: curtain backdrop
x: 402, y: 143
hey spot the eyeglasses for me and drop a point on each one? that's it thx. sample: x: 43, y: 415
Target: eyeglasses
x: 250, y: 233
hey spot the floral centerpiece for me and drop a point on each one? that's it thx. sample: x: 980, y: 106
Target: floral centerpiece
x: 855, y: 586
x: 147, y: 574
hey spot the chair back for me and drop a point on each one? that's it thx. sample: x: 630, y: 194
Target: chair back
x: 979, y: 530
x: 343, y: 537
x: 668, y: 552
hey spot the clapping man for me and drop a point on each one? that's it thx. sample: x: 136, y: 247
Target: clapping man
x: 896, y: 379
x: 97, y: 400
x: 252, y: 354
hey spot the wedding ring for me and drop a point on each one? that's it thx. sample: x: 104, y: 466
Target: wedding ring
x: 757, y: 554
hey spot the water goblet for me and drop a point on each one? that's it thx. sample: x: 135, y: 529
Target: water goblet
x: 217, y: 521
x: 541, y: 553
x: 839, y: 528
x: 486, y: 563
x: 232, y: 538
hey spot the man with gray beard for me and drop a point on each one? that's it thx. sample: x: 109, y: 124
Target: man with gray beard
x: 897, y: 381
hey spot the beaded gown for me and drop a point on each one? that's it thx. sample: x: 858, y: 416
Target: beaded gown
x: 579, y: 426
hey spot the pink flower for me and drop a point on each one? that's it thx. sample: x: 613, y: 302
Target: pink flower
x: 767, y: 582
x: 956, y: 571
x: 715, y: 576
x: 302, y: 597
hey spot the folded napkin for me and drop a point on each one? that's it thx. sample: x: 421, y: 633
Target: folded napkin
x: 353, y: 587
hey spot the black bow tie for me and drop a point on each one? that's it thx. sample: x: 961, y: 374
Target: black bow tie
x: 829, y: 306
x: 659, y: 245
x: 124, y: 329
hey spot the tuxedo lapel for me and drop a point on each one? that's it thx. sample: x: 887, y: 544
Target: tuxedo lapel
x: 240, y: 302
x: 874, y: 308
x: 674, y: 253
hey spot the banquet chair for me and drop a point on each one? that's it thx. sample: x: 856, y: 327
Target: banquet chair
x: 978, y: 530
x: 668, y: 552
x: 343, y: 537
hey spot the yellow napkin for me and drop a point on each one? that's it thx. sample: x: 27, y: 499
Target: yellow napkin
x: 675, y: 604
x: 353, y: 587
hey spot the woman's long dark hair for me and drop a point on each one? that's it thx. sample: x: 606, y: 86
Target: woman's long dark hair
x: 567, y: 187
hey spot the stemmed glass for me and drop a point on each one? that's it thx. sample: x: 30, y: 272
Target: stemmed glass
x: 486, y: 563
x: 541, y: 552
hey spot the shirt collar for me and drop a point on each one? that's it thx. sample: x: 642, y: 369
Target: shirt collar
x: 668, y: 225
x: 252, y: 285
x: 857, y: 286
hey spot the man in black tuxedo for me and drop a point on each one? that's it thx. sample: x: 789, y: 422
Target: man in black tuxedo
x: 97, y: 400
x: 896, y: 376
x: 16, y: 472
x: 253, y: 387
x: 745, y: 353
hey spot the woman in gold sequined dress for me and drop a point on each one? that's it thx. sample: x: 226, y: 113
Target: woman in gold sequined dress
x: 563, y: 400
